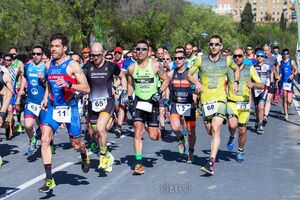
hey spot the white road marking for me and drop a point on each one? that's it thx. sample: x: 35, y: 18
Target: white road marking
x: 9, y: 193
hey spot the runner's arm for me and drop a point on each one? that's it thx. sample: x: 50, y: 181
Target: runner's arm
x: 123, y: 80
x: 163, y: 75
x: 295, y: 68
x: 130, y: 80
x: 82, y: 84
x: 197, y: 64
x: 198, y: 85
x: 6, y: 92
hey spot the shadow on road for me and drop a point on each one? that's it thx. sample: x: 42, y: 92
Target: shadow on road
x: 62, y: 177
x: 131, y: 162
x: 222, y: 155
x: 6, y: 149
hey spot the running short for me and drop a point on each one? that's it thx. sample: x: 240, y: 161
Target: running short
x: 261, y: 97
x: 108, y: 110
x: 143, y: 116
x: 242, y: 115
x: 190, y: 119
x: 28, y: 113
x: 220, y: 112
x: 74, y: 128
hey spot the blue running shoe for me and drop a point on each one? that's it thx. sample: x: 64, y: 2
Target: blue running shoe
x: 239, y: 156
x: 230, y: 143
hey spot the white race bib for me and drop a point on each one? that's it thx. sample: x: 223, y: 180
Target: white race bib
x: 257, y: 92
x: 210, y: 108
x: 62, y: 114
x: 287, y: 86
x: 183, y: 109
x: 119, y: 90
x: 99, y: 105
x: 34, y: 108
x: 145, y: 106
x: 242, y: 105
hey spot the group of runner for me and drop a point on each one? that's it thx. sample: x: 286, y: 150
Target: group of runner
x: 151, y: 87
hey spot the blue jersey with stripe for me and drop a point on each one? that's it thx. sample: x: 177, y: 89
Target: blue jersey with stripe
x: 286, y: 70
x: 35, y: 87
x: 60, y: 96
x: 127, y: 63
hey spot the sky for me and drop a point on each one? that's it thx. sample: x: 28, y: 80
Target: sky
x: 205, y: 2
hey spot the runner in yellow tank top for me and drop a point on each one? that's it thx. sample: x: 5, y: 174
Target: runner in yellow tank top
x: 213, y: 69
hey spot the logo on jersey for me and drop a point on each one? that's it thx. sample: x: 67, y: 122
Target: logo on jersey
x: 92, y: 68
x: 64, y: 66
x: 34, y: 91
x: 33, y: 82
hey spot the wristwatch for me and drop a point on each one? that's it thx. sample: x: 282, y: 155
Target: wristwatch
x: 237, y: 82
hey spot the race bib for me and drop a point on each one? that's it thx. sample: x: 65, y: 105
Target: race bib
x: 62, y: 114
x: 99, y: 105
x: 287, y: 86
x: 144, y: 106
x: 183, y: 109
x: 242, y: 106
x: 257, y: 92
x: 210, y: 108
x: 119, y: 90
x: 34, y: 108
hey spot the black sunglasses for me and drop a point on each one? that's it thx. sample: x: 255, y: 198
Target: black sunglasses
x: 38, y: 54
x: 238, y: 56
x: 178, y: 58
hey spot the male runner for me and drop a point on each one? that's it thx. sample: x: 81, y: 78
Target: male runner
x: 287, y: 71
x: 100, y: 75
x: 64, y: 77
x: 238, y: 105
x: 144, y: 80
x: 35, y: 94
x: 213, y: 69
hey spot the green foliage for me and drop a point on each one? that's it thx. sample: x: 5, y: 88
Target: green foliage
x: 247, y: 24
x: 25, y: 23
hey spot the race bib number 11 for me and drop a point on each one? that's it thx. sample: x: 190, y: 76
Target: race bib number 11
x: 62, y: 114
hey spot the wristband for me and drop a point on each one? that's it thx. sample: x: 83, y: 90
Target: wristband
x: 70, y: 85
x: 160, y: 91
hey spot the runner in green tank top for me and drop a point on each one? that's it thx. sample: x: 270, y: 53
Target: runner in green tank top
x: 142, y: 78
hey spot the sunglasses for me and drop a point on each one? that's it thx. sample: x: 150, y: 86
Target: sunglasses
x: 259, y: 56
x: 38, y: 54
x: 238, y: 56
x: 97, y: 55
x: 8, y: 60
x: 178, y: 58
x: 165, y: 58
x: 141, y: 49
x: 285, y: 53
x: 249, y: 49
x: 216, y: 44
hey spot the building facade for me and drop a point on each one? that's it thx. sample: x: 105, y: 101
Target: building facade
x: 263, y: 10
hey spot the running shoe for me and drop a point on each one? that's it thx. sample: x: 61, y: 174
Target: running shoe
x: 260, y: 130
x: 276, y: 99
x: 1, y: 161
x: 118, y: 131
x: 48, y: 184
x: 256, y: 125
x: 239, y: 156
x: 181, y: 147
x: 163, y: 133
x: 32, y: 146
x: 86, y: 164
x: 19, y: 128
x: 265, y: 121
x: 230, y: 143
x: 93, y: 146
x: 106, y: 162
x: 139, y: 169
x: 190, y: 158
x: 286, y: 117
x: 208, y: 168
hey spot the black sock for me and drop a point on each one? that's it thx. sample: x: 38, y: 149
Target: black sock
x: 48, y: 170
x: 19, y: 116
x: 181, y: 138
x: 191, y: 151
x: 83, y: 156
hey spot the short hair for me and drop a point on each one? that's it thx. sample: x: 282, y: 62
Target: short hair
x: 7, y: 55
x: 47, y: 53
x: 249, y: 45
x: 285, y: 50
x: 13, y: 48
x: 38, y: 47
x: 189, y: 43
x: 179, y: 47
x: 60, y: 36
x: 142, y: 42
x: 240, y: 48
x: 216, y: 37
x: 181, y: 52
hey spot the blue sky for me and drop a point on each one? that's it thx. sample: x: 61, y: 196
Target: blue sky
x: 206, y: 2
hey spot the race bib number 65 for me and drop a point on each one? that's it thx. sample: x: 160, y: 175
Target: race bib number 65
x: 62, y: 114
x: 99, y: 105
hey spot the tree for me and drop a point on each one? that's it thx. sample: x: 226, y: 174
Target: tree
x: 247, y: 24
x: 282, y: 22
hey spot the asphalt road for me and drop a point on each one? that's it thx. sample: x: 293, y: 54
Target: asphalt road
x: 271, y: 169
